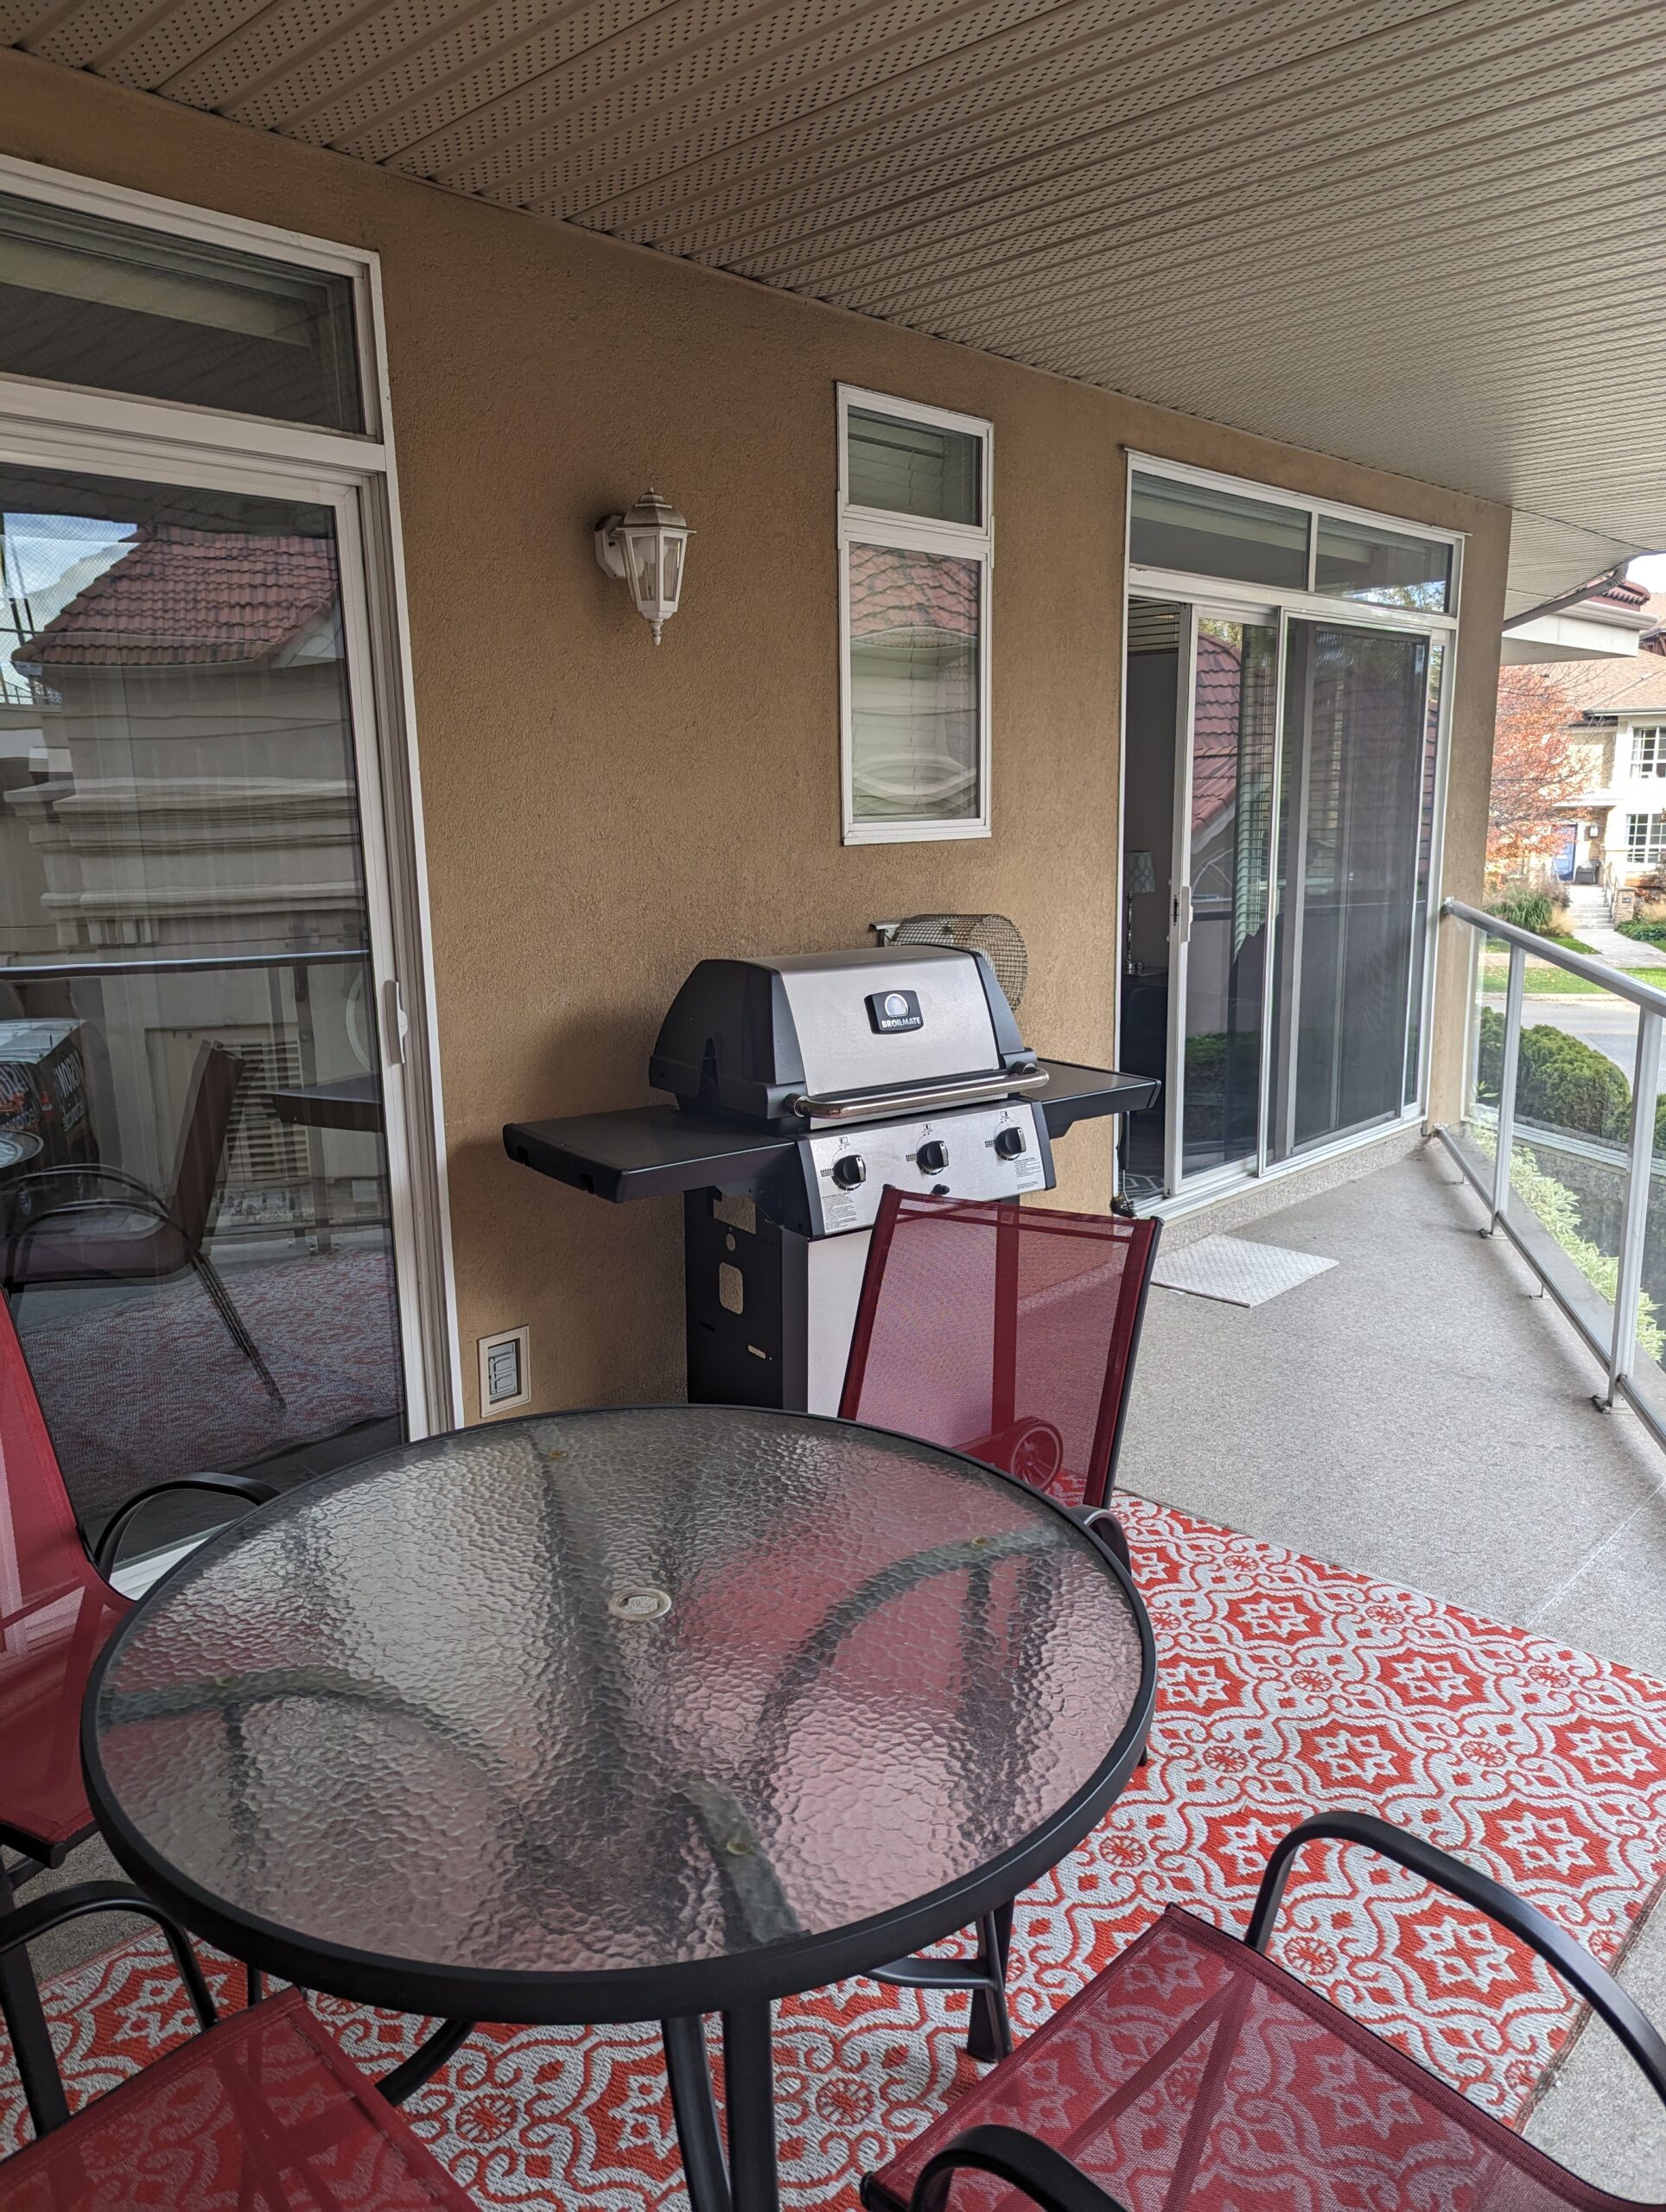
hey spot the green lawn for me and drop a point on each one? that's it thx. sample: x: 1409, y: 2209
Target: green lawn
x: 1544, y: 981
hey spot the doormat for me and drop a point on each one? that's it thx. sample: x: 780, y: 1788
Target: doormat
x: 1234, y: 1271
x: 1285, y: 1686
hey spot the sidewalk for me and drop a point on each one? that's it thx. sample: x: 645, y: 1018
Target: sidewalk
x: 1587, y: 920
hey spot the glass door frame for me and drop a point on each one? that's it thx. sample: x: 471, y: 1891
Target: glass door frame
x: 98, y: 433
x: 1194, y: 596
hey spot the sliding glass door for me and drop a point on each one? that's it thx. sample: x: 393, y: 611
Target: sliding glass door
x: 1278, y: 814
x: 197, y: 1181
x: 1223, y: 866
x: 1352, y: 856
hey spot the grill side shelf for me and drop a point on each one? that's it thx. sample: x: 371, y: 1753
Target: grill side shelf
x: 1077, y: 1094
x: 646, y: 1151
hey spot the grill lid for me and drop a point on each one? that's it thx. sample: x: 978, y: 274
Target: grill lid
x: 805, y: 1039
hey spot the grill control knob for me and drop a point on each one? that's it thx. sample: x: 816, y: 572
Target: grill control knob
x: 933, y: 1157
x: 1009, y: 1142
x: 850, y: 1169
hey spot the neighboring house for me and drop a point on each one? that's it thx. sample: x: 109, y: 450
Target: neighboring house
x: 1619, y: 816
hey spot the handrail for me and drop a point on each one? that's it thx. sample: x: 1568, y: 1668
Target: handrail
x: 1620, y: 1352
x: 1576, y: 964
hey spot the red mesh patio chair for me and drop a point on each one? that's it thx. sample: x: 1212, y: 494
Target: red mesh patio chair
x: 56, y: 1611
x: 1195, y: 2075
x: 259, y: 2113
x: 75, y: 1239
x: 1006, y: 1332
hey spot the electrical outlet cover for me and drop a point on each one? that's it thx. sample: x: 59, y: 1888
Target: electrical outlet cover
x: 505, y: 1372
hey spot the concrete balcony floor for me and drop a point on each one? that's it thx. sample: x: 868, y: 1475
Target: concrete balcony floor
x: 1419, y: 1411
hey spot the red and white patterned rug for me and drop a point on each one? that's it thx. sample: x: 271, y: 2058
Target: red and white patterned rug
x: 1285, y: 1686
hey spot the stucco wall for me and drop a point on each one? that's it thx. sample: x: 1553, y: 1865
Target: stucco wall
x: 600, y: 814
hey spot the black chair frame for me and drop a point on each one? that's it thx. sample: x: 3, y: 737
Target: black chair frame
x: 37, y: 2067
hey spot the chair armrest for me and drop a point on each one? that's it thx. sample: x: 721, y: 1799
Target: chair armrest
x: 244, y: 1486
x: 1011, y: 2155
x: 1559, y: 1950
x: 27, y: 1922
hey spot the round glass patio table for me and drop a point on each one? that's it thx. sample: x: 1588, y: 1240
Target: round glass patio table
x: 627, y: 1714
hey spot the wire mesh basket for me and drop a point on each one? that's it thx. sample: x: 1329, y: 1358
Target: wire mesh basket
x: 993, y: 935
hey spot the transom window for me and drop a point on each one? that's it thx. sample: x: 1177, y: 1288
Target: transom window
x: 1185, y: 523
x: 1645, y: 837
x: 915, y: 545
x: 84, y: 301
x: 1649, y: 751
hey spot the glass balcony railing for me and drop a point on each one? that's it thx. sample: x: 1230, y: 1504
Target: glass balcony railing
x: 1563, y: 1134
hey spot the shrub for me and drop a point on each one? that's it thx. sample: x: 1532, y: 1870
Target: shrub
x: 1561, y: 1082
x: 1644, y: 931
x: 1528, y: 910
x: 1558, y: 1209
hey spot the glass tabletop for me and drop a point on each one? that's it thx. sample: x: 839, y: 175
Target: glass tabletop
x: 618, y: 1714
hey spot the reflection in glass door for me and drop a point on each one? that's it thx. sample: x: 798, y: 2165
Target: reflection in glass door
x: 196, y: 1196
x: 1223, y: 872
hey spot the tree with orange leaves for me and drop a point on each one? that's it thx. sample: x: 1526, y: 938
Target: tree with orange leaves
x: 1537, y: 773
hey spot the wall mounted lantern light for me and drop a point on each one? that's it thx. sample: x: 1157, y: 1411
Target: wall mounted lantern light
x: 644, y: 548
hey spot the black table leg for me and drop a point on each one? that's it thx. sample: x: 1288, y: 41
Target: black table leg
x: 695, y: 2110
x: 26, y: 2025
x: 749, y: 2085
x: 989, y: 2031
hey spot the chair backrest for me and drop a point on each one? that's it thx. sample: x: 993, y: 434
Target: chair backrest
x: 42, y: 1555
x: 210, y: 1103
x: 1005, y: 1331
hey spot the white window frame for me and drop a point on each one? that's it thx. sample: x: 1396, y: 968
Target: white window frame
x: 1653, y: 735
x: 92, y: 431
x: 883, y: 526
x: 1653, y: 839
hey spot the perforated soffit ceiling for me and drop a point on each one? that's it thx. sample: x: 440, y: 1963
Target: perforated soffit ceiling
x: 1416, y: 232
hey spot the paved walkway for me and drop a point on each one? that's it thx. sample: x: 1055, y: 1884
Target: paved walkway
x: 1420, y: 1413
x: 1587, y: 920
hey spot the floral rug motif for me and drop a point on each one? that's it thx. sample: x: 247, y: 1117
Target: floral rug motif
x: 1285, y: 1686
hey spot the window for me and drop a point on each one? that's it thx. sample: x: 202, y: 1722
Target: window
x: 915, y: 546
x: 1355, y: 560
x: 1649, y: 752
x: 88, y: 301
x: 1645, y: 838
x: 1174, y: 524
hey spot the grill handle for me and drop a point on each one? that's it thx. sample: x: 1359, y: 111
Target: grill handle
x: 964, y: 1091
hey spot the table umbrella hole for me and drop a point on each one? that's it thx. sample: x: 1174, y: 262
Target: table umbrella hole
x: 639, y: 1602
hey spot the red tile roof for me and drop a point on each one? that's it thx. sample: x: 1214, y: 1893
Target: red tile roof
x: 893, y: 592
x: 185, y: 597
x: 1215, y: 718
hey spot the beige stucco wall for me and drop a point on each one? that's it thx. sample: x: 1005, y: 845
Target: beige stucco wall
x: 600, y: 814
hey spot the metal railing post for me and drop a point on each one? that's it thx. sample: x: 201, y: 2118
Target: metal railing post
x: 1507, y: 1085
x: 1634, y: 1228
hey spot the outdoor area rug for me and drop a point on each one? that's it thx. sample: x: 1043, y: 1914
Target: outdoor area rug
x: 1285, y: 1686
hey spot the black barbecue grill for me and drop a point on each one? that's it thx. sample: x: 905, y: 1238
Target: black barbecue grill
x: 804, y: 1086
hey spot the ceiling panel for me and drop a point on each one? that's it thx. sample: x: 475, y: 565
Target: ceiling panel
x: 1407, y: 231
